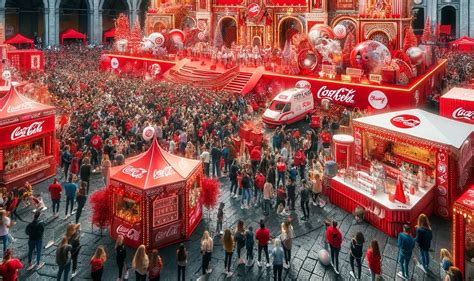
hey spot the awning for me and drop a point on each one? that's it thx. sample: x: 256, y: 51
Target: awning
x: 72, y: 34
x: 20, y: 39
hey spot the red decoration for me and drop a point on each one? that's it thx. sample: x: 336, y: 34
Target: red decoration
x: 210, y: 192
x: 122, y: 27
x: 349, y: 44
x: 399, y: 193
x: 101, y: 208
x: 427, y: 31
x: 409, y: 40
x: 135, y: 38
x: 399, y: 54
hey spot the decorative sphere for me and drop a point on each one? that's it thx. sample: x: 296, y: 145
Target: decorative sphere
x: 7, y: 75
x: 370, y: 55
x: 340, y: 31
x: 157, y: 38
x: 323, y: 257
x: 416, y: 55
x: 148, y: 133
x: 318, y: 32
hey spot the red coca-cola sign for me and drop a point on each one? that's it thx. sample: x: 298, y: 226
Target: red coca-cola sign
x: 26, y: 130
x: 461, y: 113
x: 341, y: 95
x: 129, y: 232
x: 166, y: 234
x: 136, y: 173
x: 405, y: 121
x: 253, y: 10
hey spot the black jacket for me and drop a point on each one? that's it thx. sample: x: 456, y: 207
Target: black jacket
x: 35, y: 230
x: 85, y: 172
x: 356, y: 249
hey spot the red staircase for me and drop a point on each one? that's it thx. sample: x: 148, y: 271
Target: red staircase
x: 238, y: 83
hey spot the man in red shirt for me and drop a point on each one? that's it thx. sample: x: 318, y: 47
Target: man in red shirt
x: 334, y: 239
x: 325, y: 138
x: 10, y: 266
x: 262, y: 235
x: 55, y: 190
x: 259, y: 183
x: 281, y: 170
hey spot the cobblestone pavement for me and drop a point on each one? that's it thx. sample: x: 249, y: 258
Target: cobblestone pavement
x: 305, y: 266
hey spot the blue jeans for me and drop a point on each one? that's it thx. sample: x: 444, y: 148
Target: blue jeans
x: 32, y: 245
x: 246, y: 196
x: 266, y: 206
x: 281, y: 176
x: 64, y: 269
x: 425, y: 258
x: 5, y: 241
x: 404, y: 262
x: 216, y: 168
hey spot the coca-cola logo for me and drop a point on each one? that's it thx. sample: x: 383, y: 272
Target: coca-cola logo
x: 136, y: 173
x: 303, y: 84
x: 129, y: 233
x: 377, y: 99
x: 461, y: 113
x: 405, y: 121
x: 20, y: 107
x: 161, y: 173
x: 114, y: 63
x: 22, y: 132
x: 167, y: 232
x: 253, y: 10
x: 342, y: 95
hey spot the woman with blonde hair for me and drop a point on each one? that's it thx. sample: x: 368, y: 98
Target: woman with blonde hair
x: 287, y: 236
x: 424, y: 235
x: 140, y: 263
x: 207, y: 246
x: 63, y: 259
x: 229, y: 245
x: 105, y: 165
x: 446, y: 261
x: 277, y: 255
x: 97, y: 263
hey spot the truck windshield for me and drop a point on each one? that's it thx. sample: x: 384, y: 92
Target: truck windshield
x: 277, y: 105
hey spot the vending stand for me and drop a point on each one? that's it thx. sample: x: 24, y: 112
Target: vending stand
x: 458, y: 104
x: 156, y: 198
x: 422, y: 154
x: 27, y: 134
x: 463, y: 232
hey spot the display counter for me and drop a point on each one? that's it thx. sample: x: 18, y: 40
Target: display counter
x: 383, y: 213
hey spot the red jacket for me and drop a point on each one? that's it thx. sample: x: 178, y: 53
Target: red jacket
x: 281, y: 167
x: 55, y: 190
x: 262, y: 236
x: 300, y: 158
x: 260, y: 181
x: 325, y: 137
x: 255, y: 155
x: 9, y: 269
x: 334, y: 237
x: 373, y: 262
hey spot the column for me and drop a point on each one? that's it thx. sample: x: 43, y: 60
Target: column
x: 46, y: 27
x: 471, y: 19
x: 463, y: 18
x: 95, y: 24
x: 2, y: 24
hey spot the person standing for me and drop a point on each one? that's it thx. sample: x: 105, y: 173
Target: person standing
x: 105, y: 167
x: 245, y: 191
x: 120, y: 256
x: 281, y: 170
x: 70, y: 190
x: 4, y: 229
x: 454, y: 274
x: 249, y: 244
x: 262, y: 235
x: 35, y: 231
x: 357, y: 244
x: 229, y: 245
x: 277, y: 255
x: 291, y: 189
x: 424, y: 235
x: 271, y: 176
x: 156, y: 264
x: 97, y: 263
x: 216, y: 155
x: 259, y: 184
x: 239, y: 238
x: 207, y: 246
x: 405, y: 244
x: 85, y: 172
x: 234, y: 171
x: 63, y: 259
x: 220, y: 218
x: 55, y: 191
x: 267, y: 197
x: 317, y: 187
x: 287, y: 236
x: 140, y: 263
x: 206, y: 158
x: 66, y: 159
x: 334, y: 239
x: 10, y: 266
x: 74, y: 239
x: 374, y: 259
x: 182, y: 257
x: 446, y: 261
x: 305, y: 194
x: 81, y: 199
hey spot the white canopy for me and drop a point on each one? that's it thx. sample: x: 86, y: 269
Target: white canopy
x: 429, y: 126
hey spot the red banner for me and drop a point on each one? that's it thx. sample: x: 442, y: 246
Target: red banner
x: 166, y: 234
x: 442, y: 183
x: 132, y: 234
x: 26, y: 130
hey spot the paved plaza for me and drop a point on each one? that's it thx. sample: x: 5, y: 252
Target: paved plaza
x: 310, y: 238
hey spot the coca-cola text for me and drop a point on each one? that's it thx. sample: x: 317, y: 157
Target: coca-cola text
x: 33, y: 129
x: 167, y: 232
x: 461, y: 113
x: 165, y: 172
x: 136, y: 173
x: 129, y: 233
x: 342, y: 95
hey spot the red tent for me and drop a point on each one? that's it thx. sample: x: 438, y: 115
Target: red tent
x: 156, y: 198
x: 72, y: 34
x: 464, y: 44
x: 20, y: 39
x: 109, y: 34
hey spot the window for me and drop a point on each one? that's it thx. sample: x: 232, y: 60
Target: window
x: 277, y: 105
x: 287, y: 107
x: 127, y: 209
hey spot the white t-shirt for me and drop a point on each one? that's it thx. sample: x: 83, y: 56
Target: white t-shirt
x: 4, y: 230
x: 205, y: 156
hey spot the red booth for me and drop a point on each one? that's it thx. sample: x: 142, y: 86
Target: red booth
x: 464, y: 44
x: 27, y: 134
x: 19, y: 40
x: 109, y: 34
x: 458, y: 104
x: 72, y: 34
x: 156, y: 198
x: 343, y: 145
x: 430, y: 155
x: 463, y: 233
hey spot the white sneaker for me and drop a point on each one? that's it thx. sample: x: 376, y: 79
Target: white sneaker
x: 400, y: 274
x: 268, y: 264
x: 352, y: 274
x: 74, y: 273
x: 126, y: 275
x: 259, y: 264
x: 285, y: 265
x: 242, y: 207
x: 39, y: 266
x: 315, y: 204
x: 421, y: 267
x: 31, y: 266
x: 209, y: 270
x: 229, y: 274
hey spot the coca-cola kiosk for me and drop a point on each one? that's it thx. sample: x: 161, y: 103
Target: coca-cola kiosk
x: 458, y: 104
x: 156, y: 198
x: 405, y: 163
x: 27, y: 136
